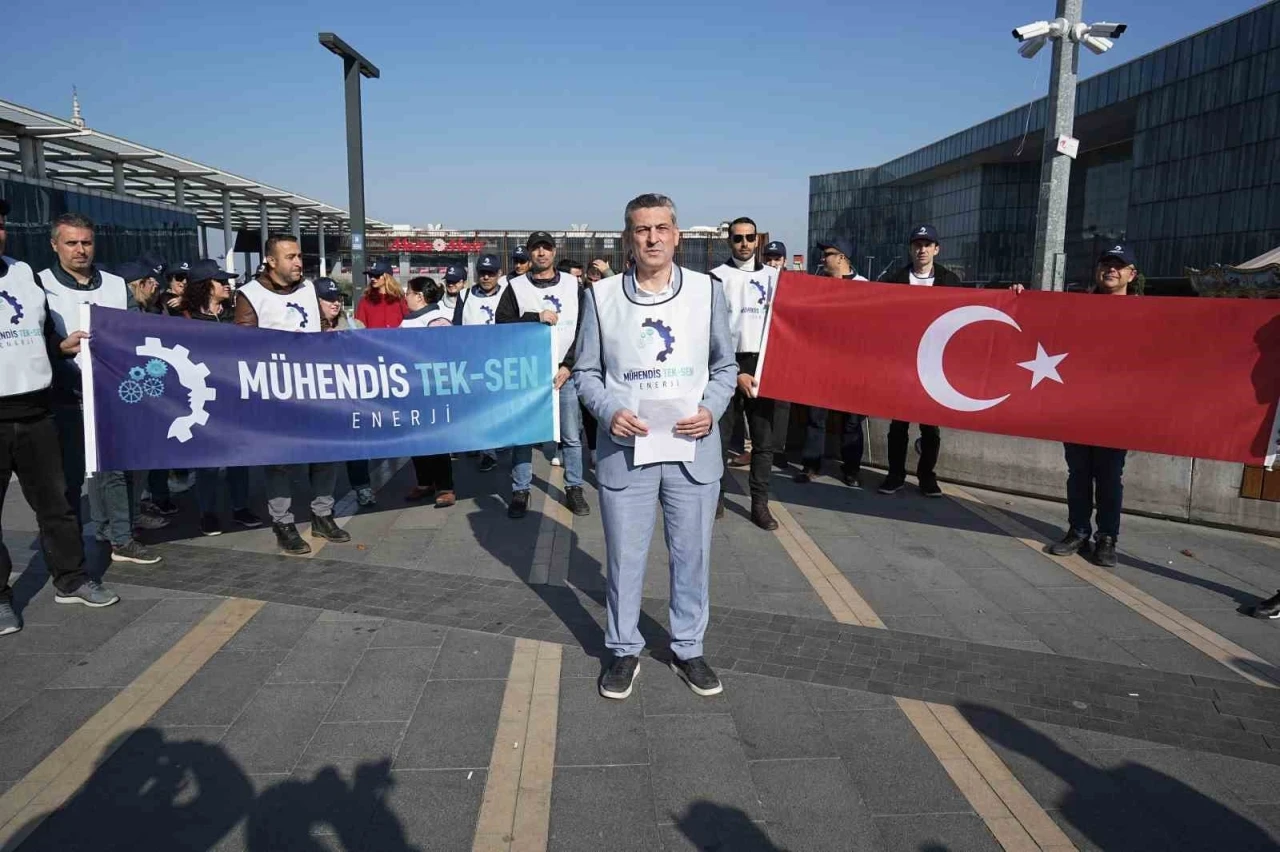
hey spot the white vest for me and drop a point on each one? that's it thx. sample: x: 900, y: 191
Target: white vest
x: 24, y: 360
x: 561, y: 297
x: 478, y: 307
x: 296, y: 311
x: 65, y: 302
x: 659, y: 351
x: 435, y: 316
x: 749, y: 294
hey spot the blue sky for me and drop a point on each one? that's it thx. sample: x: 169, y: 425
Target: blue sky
x: 519, y: 115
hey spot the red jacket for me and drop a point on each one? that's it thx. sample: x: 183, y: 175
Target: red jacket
x: 377, y: 311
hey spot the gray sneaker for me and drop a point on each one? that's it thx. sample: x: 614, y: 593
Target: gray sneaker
x: 136, y: 552
x: 9, y: 621
x: 91, y: 593
x: 145, y: 521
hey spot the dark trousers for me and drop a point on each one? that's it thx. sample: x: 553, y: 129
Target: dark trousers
x: 781, y: 425
x: 589, y: 426
x: 158, y: 485
x: 30, y: 449
x: 358, y: 473
x: 434, y: 472
x: 851, y: 441
x: 930, y: 444
x: 760, y: 417
x: 1094, y: 480
x: 69, y: 419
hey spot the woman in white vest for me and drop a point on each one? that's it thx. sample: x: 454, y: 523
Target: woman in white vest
x: 281, y: 299
x: 657, y: 338
x: 434, y: 473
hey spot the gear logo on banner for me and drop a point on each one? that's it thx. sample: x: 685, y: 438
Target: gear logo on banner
x: 148, y: 380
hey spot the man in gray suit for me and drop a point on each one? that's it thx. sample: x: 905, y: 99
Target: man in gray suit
x: 657, y: 334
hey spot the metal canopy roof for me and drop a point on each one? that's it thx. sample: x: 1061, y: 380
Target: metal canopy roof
x: 67, y: 152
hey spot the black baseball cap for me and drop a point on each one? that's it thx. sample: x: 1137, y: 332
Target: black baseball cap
x: 1121, y: 252
x: 135, y: 270
x: 488, y: 263
x: 777, y: 248
x: 540, y: 238
x: 328, y: 290
x: 208, y: 270
x: 845, y: 247
x: 520, y: 254
x: 379, y: 268
x: 455, y: 273
x: 924, y: 232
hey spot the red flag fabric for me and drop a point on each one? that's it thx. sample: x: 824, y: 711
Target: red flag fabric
x: 1186, y: 377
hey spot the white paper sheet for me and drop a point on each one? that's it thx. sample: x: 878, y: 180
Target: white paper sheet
x: 662, y: 444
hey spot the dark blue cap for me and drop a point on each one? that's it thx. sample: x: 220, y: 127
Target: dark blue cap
x: 1119, y: 251
x: 136, y: 270
x: 380, y: 268
x: 157, y: 263
x: 208, y: 270
x: 777, y: 248
x: 183, y: 268
x: 520, y: 253
x: 328, y: 290
x: 924, y: 232
x: 488, y: 263
x: 455, y: 273
x: 845, y: 247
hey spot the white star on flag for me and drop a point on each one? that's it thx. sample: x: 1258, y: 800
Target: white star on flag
x: 1045, y: 366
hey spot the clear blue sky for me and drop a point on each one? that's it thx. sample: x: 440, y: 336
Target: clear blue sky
x: 537, y: 115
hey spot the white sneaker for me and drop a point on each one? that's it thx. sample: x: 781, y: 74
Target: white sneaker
x: 555, y: 461
x: 364, y: 497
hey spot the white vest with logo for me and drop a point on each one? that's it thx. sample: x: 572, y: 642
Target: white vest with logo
x: 435, y: 316
x: 64, y: 302
x: 296, y: 311
x: 479, y: 307
x: 25, y: 359
x: 561, y: 297
x: 749, y: 294
x: 657, y: 351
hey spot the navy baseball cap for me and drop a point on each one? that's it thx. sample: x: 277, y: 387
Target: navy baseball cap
x: 157, y: 263
x: 488, y: 263
x: 183, y: 268
x: 136, y: 270
x: 380, y: 268
x: 520, y: 254
x: 924, y: 232
x: 328, y: 290
x: 455, y: 273
x: 845, y: 247
x: 540, y: 238
x: 777, y: 248
x: 208, y: 270
x: 1120, y: 252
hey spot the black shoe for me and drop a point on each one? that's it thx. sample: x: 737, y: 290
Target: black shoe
x: 1104, y: 552
x: 574, y: 499
x: 805, y: 475
x: 487, y: 463
x: 780, y: 462
x: 852, y: 480
x: 136, y: 552
x: 617, y: 680
x: 700, y: 676
x: 288, y: 540
x: 893, y: 483
x: 762, y: 517
x: 209, y: 524
x: 1071, y: 544
x: 519, y: 505
x: 324, y: 526
x: 929, y: 485
x: 720, y: 506
x: 1270, y: 608
x: 246, y: 519
x: 159, y: 507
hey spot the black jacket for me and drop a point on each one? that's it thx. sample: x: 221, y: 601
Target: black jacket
x: 942, y: 277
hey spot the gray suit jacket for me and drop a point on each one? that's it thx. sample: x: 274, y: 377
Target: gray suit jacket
x: 614, y: 466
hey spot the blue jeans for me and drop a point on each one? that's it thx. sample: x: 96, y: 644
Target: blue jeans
x: 1094, y: 479
x: 110, y: 497
x: 570, y: 445
x: 628, y: 514
x: 207, y: 489
x: 851, y: 441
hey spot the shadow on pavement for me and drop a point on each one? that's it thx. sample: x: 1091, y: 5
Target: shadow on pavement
x: 155, y: 793
x: 709, y: 826
x: 1129, y: 806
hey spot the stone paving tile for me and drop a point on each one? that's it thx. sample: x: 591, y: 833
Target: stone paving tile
x: 595, y: 731
x: 434, y: 812
x: 350, y: 741
x: 124, y: 656
x: 774, y: 719
x: 221, y: 689
x: 274, y: 730
x: 930, y: 832
x: 36, y: 728
x: 385, y: 685
x: 453, y: 726
x: 813, y: 805
x: 698, y: 759
x: 708, y: 825
x: 602, y: 807
x: 24, y: 675
x: 471, y: 656
x: 326, y: 653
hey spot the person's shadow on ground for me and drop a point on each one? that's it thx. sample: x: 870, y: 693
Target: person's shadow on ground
x: 718, y: 828
x: 1129, y: 807
x: 158, y: 793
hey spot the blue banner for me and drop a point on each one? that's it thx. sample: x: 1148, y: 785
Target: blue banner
x: 168, y: 392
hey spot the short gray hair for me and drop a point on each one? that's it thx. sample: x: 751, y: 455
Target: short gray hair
x: 644, y: 202
x: 70, y: 220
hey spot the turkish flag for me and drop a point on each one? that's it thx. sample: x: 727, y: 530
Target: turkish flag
x: 1186, y: 377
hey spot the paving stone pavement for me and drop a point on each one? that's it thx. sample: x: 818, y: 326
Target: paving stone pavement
x: 359, y: 708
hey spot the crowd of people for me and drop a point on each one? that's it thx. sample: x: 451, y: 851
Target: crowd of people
x: 719, y: 317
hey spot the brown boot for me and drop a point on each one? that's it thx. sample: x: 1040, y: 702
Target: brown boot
x: 445, y: 499
x: 761, y: 516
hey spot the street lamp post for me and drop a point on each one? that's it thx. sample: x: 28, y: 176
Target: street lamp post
x: 1067, y: 32
x: 354, y: 66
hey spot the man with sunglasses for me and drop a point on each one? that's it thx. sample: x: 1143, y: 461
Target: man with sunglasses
x: 748, y: 288
x: 836, y: 263
x: 478, y: 305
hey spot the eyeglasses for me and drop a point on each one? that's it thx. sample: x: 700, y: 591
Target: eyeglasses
x: 181, y: 279
x: 745, y: 238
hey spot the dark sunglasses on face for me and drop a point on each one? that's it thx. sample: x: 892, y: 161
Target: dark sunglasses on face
x: 487, y: 274
x: 745, y: 238
x: 181, y: 279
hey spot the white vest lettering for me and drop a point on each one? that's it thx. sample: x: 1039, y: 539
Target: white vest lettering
x: 561, y: 297
x: 749, y: 294
x: 24, y: 361
x: 296, y: 311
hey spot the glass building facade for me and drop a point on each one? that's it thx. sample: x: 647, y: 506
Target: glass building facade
x: 125, y: 227
x: 1180, y: 157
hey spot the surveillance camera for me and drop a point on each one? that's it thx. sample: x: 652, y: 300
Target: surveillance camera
x: 1103, y: 29
x: 1096, y: 44
x: 1030, y: 48
x: 1039, y: 29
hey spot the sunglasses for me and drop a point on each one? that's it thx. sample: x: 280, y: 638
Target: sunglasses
x: 484, y: 273
x: 745, y: 238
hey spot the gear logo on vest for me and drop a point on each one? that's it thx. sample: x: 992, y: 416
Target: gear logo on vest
x: 488, y: 313
x: 294, y: 306
x: 657, y: 330
x: 764, y: 294
x: 14, y: 305
x: 555, y: 303
x: 149, y: 380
